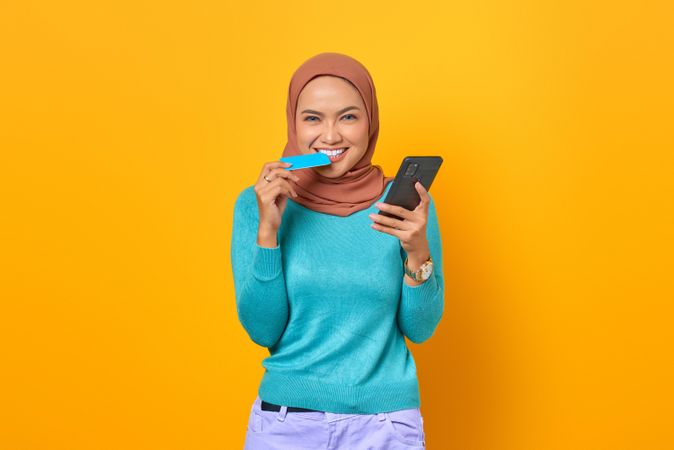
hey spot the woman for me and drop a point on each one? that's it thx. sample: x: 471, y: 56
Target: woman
x: 320, y: 277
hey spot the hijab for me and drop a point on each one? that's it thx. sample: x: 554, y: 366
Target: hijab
x: 364, y: 183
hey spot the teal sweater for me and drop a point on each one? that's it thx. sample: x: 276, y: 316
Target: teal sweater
x: 331, y: 304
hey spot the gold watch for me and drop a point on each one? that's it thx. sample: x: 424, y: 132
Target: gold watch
x: 423, y: 273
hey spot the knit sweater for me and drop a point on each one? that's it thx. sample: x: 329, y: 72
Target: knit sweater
x: 331, y: 305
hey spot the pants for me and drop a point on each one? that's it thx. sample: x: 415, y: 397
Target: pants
x: 281, y: 430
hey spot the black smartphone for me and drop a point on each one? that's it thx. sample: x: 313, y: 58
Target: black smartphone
x: 413, y: 169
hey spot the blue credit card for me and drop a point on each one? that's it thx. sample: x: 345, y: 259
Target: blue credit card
x: 304, y: 161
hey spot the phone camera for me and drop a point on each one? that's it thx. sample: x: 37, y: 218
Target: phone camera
x: 411, y: 169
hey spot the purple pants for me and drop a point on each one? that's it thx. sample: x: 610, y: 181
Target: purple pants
x: 283, y: 430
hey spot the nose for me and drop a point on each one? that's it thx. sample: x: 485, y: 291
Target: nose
x: 331, y: 134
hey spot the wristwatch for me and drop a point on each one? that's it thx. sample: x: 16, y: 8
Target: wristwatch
x: 423, y: 273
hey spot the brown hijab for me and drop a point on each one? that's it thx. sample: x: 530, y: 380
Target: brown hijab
x: 364, y: 183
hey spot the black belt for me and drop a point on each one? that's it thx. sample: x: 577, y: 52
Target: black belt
x: 272, y: 407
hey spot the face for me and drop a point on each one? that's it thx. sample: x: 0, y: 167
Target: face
x: 331, y: 115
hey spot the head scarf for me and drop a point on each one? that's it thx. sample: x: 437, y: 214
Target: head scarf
x: 364, y: 183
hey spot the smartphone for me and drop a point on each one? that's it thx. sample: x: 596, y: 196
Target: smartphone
x: 304, y: 161
x: 413, y: 169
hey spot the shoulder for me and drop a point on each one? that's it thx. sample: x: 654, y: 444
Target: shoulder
x: 246, y: 195
x: 245, y: 201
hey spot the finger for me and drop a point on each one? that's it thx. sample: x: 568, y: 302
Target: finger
x: 271, y: 193
x: 291, y: 191
x: 275, y: 164
x: 389, y: 221
x: 269, y: 166
x: 281, y: 172
x: 423, y: 193
x: 274, y: 176
x: 396, y: 210
x: 388, y: 230
x: 282, y: 186
x: 268, y: 192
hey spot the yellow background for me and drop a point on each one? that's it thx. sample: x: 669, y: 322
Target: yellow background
x: 128, y: 128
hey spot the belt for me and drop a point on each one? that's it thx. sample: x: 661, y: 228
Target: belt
x: 272, y: 407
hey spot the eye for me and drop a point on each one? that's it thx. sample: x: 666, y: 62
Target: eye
x: 310, y: 117
x: 346, y: 115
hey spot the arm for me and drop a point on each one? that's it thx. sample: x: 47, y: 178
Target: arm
x: 422, y: 305
x: 259, y: 284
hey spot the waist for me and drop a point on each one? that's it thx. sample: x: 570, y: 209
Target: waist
x: 319, y: 395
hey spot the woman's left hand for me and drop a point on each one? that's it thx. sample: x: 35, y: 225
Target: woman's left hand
x: 412, y: 229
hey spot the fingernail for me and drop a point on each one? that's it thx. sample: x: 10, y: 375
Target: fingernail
x: 378, y: 205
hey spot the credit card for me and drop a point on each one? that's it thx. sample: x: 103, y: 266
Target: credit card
x: 305, y: 161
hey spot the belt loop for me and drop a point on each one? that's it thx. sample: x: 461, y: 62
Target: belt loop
x: 381, y: 416
x: 281, y: 416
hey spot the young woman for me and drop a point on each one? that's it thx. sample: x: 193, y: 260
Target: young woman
x: 329, y: 286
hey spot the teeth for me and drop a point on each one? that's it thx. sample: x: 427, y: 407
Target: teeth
x: 332, y: 152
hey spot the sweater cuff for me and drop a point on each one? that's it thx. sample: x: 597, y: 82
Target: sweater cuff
x: 422, y: 292
x: 266, y: 262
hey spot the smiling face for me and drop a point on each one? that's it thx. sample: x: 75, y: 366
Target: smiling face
x: 331, y: 115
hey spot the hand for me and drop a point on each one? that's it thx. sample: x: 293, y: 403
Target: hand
x: 272, y: 195
x: 411, y: 230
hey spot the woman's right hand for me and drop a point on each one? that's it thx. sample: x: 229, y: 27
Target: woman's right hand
x: 272, y: 196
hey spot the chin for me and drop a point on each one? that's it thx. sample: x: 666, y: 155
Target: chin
x: 328, y: 173
x: 335, y: 172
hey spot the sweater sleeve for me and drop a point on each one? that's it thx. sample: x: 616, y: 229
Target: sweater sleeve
x: 259, y: 284
x: 422, y: 306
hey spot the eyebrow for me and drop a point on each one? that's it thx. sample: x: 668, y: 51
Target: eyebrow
x: 311, y: 111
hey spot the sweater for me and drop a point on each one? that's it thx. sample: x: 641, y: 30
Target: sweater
x: 331, y: 305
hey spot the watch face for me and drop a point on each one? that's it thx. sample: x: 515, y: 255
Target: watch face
x: 426, y: 271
